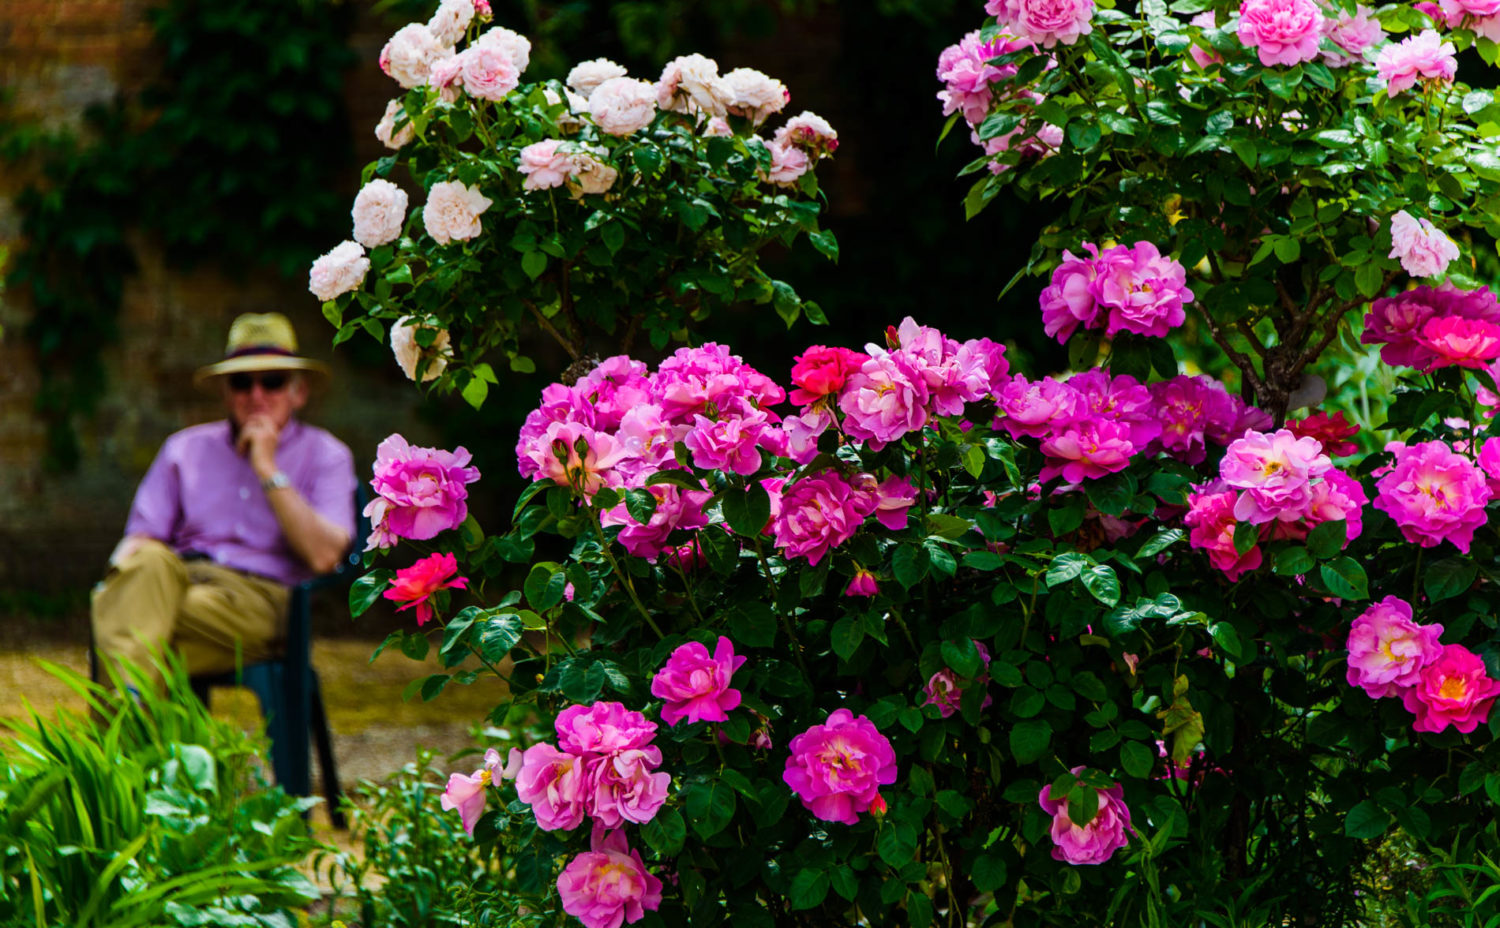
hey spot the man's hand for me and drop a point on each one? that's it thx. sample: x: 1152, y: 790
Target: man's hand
x: 127, y: 546
x: 259, y: 437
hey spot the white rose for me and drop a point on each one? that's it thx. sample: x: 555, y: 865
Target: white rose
x: 755, y: 95
x: 379, y: 212
x: 341, y: 270
x: 810, y: 132
x: 447, y: 25
x: 621, y: 105
x: 452, y: 212
x: 692, y: 81
x: 409, y: 354
x: 517, y: 46
x: 588, y: 75
x: 410, y: 54
x: 385, y: 130
x: 489, y: 73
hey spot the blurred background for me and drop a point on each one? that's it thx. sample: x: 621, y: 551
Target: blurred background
x: 168, y: 164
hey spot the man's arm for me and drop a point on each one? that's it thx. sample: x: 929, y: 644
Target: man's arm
x: 316, y: 539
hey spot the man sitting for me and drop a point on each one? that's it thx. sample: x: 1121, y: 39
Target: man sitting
x: 230, y: 516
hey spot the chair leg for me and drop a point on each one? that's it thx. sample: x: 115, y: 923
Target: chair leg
x: 323, y: 739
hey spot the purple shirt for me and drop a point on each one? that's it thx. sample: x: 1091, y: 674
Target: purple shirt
x: 201, y: 495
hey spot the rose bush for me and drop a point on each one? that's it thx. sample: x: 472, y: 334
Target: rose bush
x: 934, y: 640
x: 596, y: 211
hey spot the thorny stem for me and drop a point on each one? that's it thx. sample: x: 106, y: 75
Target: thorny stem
x: 550, y: 329
x: 620, y: 572
x: 937, y: 834
x: 492, y: 668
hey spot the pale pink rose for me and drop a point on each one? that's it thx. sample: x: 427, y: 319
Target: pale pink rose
x: 1482, y: 16
x: 1422, y: 247
x: 837, y: 768
x: 694, y: 686
x: 386, y: 130
x: 755, y: 95
x: 787, y: 165
x: 452, y: 212
x: 609, y: 885
x: 717, y: 128
x: 1281, y: 31
x: 623, y: 105
x: 483, y: 11
x: 1045, y: 22
x: 413, y: 586
x: 556, y: 786
x: 1095, y: 842
x: 591, y: 175
x: 1351, y: 35
x: 1455, y: 689
x: 692, y: 84
x: 447, y: 25
x: 447, y: 78
x: 809, y: 132
x: 1387, y: 650
x: 489, y: 73
x: 339, y: 271
x: 546, y: 164
x: 517, y: 46
x: 586, y: 76
x: 466, y: 792
x: 410, y: 54
x: 1423, y: 56
x: 379, y: 212
x: 409, y: 354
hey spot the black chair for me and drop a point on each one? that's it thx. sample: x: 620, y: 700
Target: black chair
x: 291, y: 698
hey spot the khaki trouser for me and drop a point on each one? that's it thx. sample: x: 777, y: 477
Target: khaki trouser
x: 216, y: 617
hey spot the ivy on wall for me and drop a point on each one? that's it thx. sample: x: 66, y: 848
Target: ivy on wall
x: 225, y: 156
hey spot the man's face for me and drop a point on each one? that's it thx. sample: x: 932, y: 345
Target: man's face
x: 273, y: 394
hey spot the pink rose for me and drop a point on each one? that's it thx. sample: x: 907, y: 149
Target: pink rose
x: 1276, y: 472
x: 1068, y: 301
x: 1191, y: 410
x: 1351, y: 35
x: 386, y: 130
x: 788, y: 163
x: 818, y: 513
x: 452, y: 212
x: 1453, y: 690
x: 466, y: 792
x: 1423, y: 248
x: 837, y: 768
x: 1204, y: 55
x: 1434, y: 495
x: 338, y: 272
x: 677, y: 509
x: 556, y: 457
x: 1281, y: 31
x: 545, y: 164
x: 728, y: 444
x: 621, y: 105
x: 1422, y: 56
x: 602, y: 728
x: 1387, y: 650
x: 809, y: 132
x: 379, y: 212
x: 1143, y: 291
x: 1489, y: 462
x: 450, y: 20
x: 862, y: 584
x: 556, y: 786
x: 587, y: 76
x: 1087, y: 449
x: 883, y: 401
x: 754, y: 95
x: 1044, y: 22
x: 1211, y: 521
x: 515, y: 46
x: 945, y: 690
x: 696, y: 687
x: 627, y: 788
x: 489, y: 73
x: 609, y: 885
x: 419, y: 491
x: 1036, y: 408
x: 1095, y: 842
x: 414, y: 585
x: 1457, y: 342
x: 691, y: 84
x: 410, y: 54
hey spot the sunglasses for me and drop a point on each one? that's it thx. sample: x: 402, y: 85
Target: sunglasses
x: 269, y: 383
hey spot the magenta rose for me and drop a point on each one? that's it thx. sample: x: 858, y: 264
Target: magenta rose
x: 556, y: 786
x: 609, y: 885
x: 837, y: 768
x: 1424, y: 56
x: 1387, y: 650
x: 1453, y: 690
x: 414, y: 585
x: 1281, y: 31
x: 1068, y: 301
x: 1044, y: 22
x: 466, y: 792
x: 1095, y: 842
x: 602, y: 728
x: 1211, y: 522
x: 419, y: 491
x: 695, y: 686
x: 818, y: 513
x: 1434, y: 494
x: 820, y: 371
x: 626, y: 787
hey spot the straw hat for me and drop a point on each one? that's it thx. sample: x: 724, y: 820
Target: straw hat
x: 260, y: 342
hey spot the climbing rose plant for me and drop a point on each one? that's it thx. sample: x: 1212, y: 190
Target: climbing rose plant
x: 596, y: 211
x: 901, y: 635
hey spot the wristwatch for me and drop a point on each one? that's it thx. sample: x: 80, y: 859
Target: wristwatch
x: 277, y: 481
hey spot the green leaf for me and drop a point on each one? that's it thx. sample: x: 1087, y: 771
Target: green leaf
x: 1246, y: 536
x: 990, y: 872
x: 846, y: 636
x: 1100, y: 580
x: 1366, y: 820
x: 1226, y: 638
x: 962, y: 655
x: 897, y: 844
x: 641, y: 504
x: 809, y: 888
x: 367, y: 589
x: 1346, y: 579
x: 665, y: 833
x: 1137, y: 759
x: 499, y: 635
x: 909, y: 563
x: 710, y: 807
x: 1029, y: 740
x: 746, y: 511
x: 1160, y: 542
x: 1067, y: 566
x: 545, y: 586
x: 918, y: 910
x: 845, y: 883
x: 475, y: 391
x: 1450, y: 577
x: 1294, y: 562
x: 826, y: 244
x: 534, y: 263
x: 1327, y: 539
